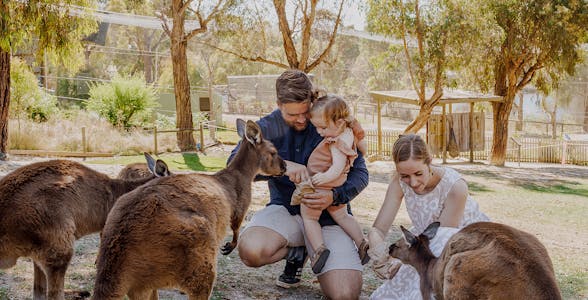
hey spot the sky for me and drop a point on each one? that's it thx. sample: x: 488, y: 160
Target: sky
x: 354, y: 16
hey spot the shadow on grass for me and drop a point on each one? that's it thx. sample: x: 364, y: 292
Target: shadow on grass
x: 555, y: 189
x: 476, y: 187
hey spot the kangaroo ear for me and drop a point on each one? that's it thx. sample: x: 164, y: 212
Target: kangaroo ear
x: 161, y: 169
x: 150, y: 162
x: 431, y: 230
x: 253, y: 133
x: 243, y: 131
x: 410, y: 238
x: 241, y: 128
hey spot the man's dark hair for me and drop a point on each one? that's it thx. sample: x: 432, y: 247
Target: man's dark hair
x: 294, y: 86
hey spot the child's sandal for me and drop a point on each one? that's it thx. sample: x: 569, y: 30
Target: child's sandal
x: 363, y: 252
x: 319, y: 259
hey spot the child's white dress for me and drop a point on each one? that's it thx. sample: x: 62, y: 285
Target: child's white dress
x: 424, y: 210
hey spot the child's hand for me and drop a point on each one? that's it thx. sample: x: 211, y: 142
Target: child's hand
x: 331, y: 139
x: 319, y: 179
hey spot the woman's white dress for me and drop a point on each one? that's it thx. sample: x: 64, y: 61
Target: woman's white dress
x: 424, y: 210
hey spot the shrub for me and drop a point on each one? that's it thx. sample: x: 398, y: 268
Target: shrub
x: 26, y: 97
x: 124, y: 102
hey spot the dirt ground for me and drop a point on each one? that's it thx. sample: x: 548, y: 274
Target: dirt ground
x: 549, y: 201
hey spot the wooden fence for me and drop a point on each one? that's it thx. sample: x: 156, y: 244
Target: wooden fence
x: 528, y: 149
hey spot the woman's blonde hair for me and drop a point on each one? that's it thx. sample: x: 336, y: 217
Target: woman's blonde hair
x: 333, y: 108
x: 411, y: 146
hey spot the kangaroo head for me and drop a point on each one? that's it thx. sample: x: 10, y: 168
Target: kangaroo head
x: 157, y: 167
x: 410, y: 249
x: 270, y: 163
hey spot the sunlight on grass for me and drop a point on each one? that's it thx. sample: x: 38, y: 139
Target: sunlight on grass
x: 573, y: 286
x: 175, y: 161
x: 579, y: 190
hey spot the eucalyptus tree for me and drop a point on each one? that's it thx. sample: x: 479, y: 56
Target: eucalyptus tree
x: 147, y: 43
x: 534, y: 36
x: 59, y: 36
x: 430, y: 32
x: 307, y: 30
x: 179, y: 12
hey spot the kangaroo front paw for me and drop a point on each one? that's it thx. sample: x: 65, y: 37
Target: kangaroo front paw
x: 227, y: 248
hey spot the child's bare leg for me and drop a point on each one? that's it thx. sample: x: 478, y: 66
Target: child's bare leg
x: 314, y: 235
x: 312, y: 227
x: 352, y: 228
x: 347, y: 222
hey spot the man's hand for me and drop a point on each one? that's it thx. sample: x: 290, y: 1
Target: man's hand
x: 296, y: 172
x: 321, y: 199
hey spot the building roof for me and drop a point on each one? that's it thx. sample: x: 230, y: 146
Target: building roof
x: 449, y: 96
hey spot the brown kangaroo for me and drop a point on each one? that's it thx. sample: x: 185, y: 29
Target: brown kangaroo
x: 141, y: 170
x: 167, y: 233
x: 483, y: 260
x: 45, y: 207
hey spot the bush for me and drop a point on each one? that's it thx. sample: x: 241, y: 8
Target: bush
x: 26, y: 97
x: 124, y: 102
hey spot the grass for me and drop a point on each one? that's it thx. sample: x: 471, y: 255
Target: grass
x: 551, y: 207
x: 175, y: 161
x: 571, y: 284
x: 580, y: 190
x: 4, y: 293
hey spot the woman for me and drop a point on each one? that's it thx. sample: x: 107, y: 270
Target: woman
x: 432, y: 193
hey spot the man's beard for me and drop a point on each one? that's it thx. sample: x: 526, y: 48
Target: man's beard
x: 298, y: 126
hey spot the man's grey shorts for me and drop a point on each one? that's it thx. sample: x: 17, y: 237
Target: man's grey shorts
x: 344, y: 255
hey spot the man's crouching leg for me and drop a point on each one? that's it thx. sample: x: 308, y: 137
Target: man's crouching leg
x: 259, y: 246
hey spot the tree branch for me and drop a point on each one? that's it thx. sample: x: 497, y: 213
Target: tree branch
x: 307, y: 21
x: 327, y: 49
x: 408, y: 60
x: 421, y: 49
x: 163, y: 19
x: 528, y: 75
x: 280, y: 6
x: 185, y: 6
x: 248, y: 58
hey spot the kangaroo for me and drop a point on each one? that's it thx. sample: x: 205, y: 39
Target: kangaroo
x: 483, y: 260
x: 45, y: 207
x: 167, y: 233
x: 142, y: 170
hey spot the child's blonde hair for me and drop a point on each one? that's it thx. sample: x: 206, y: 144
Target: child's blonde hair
x: 411, y: 146
x: 333, y: 108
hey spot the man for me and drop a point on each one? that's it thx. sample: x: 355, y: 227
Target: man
x: 277, y: 232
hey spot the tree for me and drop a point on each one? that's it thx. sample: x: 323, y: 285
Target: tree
x: 301, y: 32
x: 58, y: 33
x: 541, y: 35
x: 179, y: 12
x: 148, y: 42
x: 576, y: 87
x: 428, y: 32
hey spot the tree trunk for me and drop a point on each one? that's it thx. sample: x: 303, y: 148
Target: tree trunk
x: 148, y: 68
x: 501, y: 113
x: 422, y: 117
x: 4, y: 79
x: 147, y: 58
x: 4, y: 101
x: 181, y: 83
x: 519, y: 124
